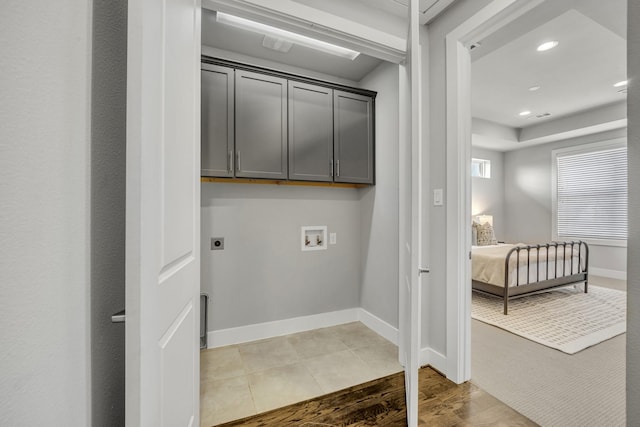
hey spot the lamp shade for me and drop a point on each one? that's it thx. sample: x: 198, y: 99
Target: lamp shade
x: 481, y: 219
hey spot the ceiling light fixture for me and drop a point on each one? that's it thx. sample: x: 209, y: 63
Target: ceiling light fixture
x: 298, y: 39
x: 547, y: 45
x: 622, y: 83
x: 525, y: 113
x: 534, y: 88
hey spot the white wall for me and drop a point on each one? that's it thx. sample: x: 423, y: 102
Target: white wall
x: 633, y: 281
x: 379, y: 204
x: 487, y: 194
x: 528, y: 200
x: 434, y: 313
x: 45, y: 218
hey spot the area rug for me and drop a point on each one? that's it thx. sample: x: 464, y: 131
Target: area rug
x: 565, y: 319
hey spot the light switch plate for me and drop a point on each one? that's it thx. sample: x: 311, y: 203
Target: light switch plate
x: 437, y: 197
x: 333, y: 238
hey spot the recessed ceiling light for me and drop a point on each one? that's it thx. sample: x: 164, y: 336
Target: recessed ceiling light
x: 298, y: 39
x: 534, y: 88
x: 622, y: 83
x: 547, y: 45
x: 525, y: 113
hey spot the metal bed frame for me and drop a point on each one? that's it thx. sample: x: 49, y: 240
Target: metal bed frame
x: 531, y: 287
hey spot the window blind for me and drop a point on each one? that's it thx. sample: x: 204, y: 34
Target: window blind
x: 481, y: 168
x: 592, y: 195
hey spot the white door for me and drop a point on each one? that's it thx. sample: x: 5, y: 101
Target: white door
x: 411, y: 217
x: 162, y: 218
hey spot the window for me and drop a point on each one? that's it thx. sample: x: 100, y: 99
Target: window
x: 481, y: 168
x: 590, y: 193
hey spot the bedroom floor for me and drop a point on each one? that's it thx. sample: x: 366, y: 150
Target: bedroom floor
x: 550, y: 387
x: 241, y: 380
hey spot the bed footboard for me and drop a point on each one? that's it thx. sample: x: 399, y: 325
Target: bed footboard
x: 571, y: 265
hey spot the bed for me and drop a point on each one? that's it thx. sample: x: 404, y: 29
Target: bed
x: 516, y: 270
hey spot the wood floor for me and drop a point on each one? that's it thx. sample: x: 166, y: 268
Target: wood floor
x: 382, y: 403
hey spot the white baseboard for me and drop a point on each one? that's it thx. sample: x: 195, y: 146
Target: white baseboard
x: 611, y: 274
x: 378, y: 325
x: 437, y: 360
x: 278, y: 328
x: 260, y: 331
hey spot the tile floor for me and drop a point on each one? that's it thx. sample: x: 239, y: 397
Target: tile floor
x: 241, y: 380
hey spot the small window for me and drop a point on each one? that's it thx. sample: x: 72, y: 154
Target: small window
x: 481, y: 168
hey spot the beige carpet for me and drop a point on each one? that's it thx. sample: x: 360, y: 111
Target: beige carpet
x: 565, y: 319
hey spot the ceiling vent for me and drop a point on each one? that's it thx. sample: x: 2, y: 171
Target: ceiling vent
x: 276, y: 44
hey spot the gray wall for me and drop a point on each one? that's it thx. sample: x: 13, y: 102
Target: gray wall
x: 434, y: 312
x: 379, y: 204
x: 262, y: 275
x: 487, y: 194
x: 45, y: 217
x: 528, y: 198
x: 633, y: 281
x: 108, y: 164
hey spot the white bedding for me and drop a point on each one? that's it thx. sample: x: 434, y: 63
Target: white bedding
x: 488, y: 264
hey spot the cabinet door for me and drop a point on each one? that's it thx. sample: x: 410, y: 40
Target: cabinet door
x: 310, y: 132
x: 261, y: 126
x: 217, y: 120
x: 353, y: 137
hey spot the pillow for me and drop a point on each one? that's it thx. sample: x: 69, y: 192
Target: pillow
x: 486, y: 236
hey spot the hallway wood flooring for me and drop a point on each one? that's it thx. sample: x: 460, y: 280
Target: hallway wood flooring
x: 382, y: 403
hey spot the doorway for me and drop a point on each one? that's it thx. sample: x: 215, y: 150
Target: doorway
x: 463, y: 221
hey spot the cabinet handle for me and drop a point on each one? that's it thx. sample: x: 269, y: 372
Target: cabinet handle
x: 238, y: 160
x: 230, y: 162
x: 337, y: 167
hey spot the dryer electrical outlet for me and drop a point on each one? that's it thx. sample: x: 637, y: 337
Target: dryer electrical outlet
x: 217, y: 243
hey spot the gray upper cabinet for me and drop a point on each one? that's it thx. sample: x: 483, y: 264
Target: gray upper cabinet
x: 353, y: 137
x: 261, y: 126
x: 310, y: 132
x: 217, y: 130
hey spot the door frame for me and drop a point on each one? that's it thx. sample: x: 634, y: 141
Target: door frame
x: 492, y: 17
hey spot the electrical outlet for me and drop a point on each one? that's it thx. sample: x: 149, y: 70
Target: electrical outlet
x: 217, y: 243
